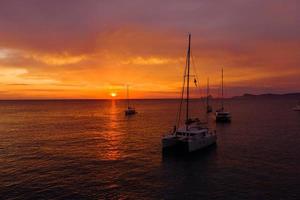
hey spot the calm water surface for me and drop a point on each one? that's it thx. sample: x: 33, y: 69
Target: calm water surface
x: 90, y: 150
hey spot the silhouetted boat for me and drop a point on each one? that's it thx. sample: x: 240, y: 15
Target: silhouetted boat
x: 208, y: 106
x: 130, y: 110
x: 193, y: 135
x: 297, y: 107
x: 221, y: 114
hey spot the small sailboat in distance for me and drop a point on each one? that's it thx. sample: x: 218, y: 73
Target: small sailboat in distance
x: 130, y: 110
x: 297, y: 107
x: 208, y: 106
x: 193, y: 135
x: 221, y: 114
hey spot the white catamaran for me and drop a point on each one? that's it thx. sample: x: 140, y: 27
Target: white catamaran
x: 130, y: 110
x: 221, y: 114
x: 193, y: 135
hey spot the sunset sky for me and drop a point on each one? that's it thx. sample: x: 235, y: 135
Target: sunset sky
x: 92, y: 48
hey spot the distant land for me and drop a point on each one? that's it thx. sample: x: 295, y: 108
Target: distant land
x: 244, y: 96
x: 268, y: 95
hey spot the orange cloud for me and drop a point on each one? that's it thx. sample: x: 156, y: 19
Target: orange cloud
x: 148, y: 61
x: 57, y: 59
x: 95, y: 48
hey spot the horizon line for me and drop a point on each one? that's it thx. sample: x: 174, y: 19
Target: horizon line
x: 162, y: 98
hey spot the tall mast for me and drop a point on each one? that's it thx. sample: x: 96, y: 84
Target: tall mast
x: 207, y: 91
x: 222, y: 91
x: 127, y: 97
x: 188, y: 81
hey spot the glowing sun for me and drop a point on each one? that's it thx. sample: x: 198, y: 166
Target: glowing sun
x: 113, y: 94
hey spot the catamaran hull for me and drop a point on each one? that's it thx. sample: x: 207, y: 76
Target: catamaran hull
x: 195, y: 145
x: 169, y: 142
x: 187, y: 145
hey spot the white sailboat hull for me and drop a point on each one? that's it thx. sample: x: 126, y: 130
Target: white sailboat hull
x: 194, y: 145
x: 222, y: 116
x: 186, y: 144
x: 189, y: 140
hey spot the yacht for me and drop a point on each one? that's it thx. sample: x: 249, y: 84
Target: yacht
x: 297, y: 107
x: 130, y: 110
x: 208, y: 106
x: 221, y: 114
x: 193, y: 135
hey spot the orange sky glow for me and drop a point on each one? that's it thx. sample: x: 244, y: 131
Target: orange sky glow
x: 95, y: 48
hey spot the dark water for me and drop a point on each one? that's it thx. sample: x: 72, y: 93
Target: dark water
x: 90, y: 150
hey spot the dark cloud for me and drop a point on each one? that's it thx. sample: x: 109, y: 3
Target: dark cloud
x: 76, y: 25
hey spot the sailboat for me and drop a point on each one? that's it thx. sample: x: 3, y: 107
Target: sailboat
x: 221, y: 114
x: 208, y: 107
x: 193, y: 135
x: 297, y: 107
x: 130, y: 110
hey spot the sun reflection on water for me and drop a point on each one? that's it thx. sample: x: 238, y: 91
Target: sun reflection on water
x: 112, y: 135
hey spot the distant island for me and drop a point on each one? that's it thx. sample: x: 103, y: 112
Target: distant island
x: 268, y: 95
